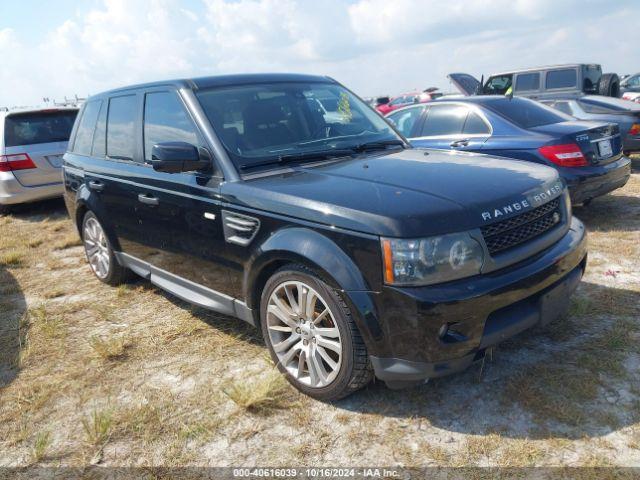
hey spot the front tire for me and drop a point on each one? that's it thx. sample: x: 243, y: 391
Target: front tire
x: 99, y: 253
x: 311, y: 335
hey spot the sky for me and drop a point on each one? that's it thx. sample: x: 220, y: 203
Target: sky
x: 375, y: 47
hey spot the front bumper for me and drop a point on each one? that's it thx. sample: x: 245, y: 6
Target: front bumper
x: 597, y: 181
x: 12, y: 192
x: 479, y: 312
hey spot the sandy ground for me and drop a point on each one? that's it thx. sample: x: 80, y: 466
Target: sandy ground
x: 93, y: 375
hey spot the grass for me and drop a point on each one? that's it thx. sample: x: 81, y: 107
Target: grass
x: 110, y: 348
x: 12, y: 259
x: 41, y: 445
x: 68, y: 241
x: 261, y: 395
x: 97, y: 427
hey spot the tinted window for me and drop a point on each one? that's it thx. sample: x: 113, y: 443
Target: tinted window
x: 38, y: 127
x: 84, y: 136
x: 406, y: 119
x: 475, y: 125
x: 527, y: 81
x: 634, y: 81
x: 121, y: 127
x: 444, y: 120
x: 526, y: 113
x: 561, y: 78
x: 100, y: 135
x: 165, y: 120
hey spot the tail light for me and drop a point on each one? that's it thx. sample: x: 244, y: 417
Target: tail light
x: 635, y: 129
x: 19, y: 161
x: 567, y: 155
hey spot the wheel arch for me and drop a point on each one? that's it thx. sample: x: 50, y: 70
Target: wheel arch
x: 327, y: 260
x: 86, y: 201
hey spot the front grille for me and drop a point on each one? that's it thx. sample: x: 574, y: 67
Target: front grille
x: 526, y: 226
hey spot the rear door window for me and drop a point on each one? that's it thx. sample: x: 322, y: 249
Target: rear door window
x: 527, y: 81
x: 566, y: 78
x: 444, y: 120
x: 38, y: 127
x: 166, y: 120
x: 475, y: 125
x: 121, y: 127
x: 84, y: 136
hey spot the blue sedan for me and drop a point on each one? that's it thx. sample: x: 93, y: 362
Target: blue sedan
x: 588, y: 155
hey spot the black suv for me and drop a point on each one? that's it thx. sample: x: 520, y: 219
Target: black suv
x: 286, y: 201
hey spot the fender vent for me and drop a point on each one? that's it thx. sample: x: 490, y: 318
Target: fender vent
x: 239, y: 229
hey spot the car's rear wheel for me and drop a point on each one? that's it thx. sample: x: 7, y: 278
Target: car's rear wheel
x: 100, y: 254
x: 311, y: 335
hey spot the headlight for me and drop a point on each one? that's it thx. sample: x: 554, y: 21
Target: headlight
x: 431, y: 260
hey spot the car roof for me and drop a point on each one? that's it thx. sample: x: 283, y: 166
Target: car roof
x: 544, y: 67
x: 478, y: 99
x: 223, y: 81
x: 19, y: 110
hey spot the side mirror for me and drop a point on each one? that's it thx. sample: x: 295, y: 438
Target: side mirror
x: 176, y: 157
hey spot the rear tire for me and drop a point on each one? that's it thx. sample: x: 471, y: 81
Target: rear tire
x: 99, y: 253
x: 609, y: 85
x: 311, y: 336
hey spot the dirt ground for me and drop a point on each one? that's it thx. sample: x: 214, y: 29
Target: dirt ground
x: 94, y: 375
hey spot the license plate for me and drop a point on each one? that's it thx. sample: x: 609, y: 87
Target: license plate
x: 605, y: 148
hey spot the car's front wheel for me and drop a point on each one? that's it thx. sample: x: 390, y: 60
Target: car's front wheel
x: 100, y: 254
x: 311, y: 335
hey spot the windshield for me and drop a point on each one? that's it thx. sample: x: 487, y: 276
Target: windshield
x: 527, y: 113
x: 38, y: 127
x: 258, y: 123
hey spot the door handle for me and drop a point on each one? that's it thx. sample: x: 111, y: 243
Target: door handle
x: 147, y: 200
x: 95, y: 185
x: 459, y: 143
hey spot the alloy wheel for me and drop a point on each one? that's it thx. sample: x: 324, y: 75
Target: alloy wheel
x: 304, y: 334
x: 97, y: 248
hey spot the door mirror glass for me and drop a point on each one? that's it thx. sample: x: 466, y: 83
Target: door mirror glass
x: 175, y: 157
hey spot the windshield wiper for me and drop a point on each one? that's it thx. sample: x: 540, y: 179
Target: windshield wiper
x: 299, y: 157
x: 377, y: 145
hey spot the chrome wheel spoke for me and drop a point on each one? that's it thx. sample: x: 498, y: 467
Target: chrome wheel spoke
x: 331, y: 332
x: 330, y: 344
x: 325, y: 356
x: 287, y: 357
x: 283, y: 316
x: 285, y: 344
x: 321, y: 317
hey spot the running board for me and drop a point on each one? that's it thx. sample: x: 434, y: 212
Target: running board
x: 187, y: 290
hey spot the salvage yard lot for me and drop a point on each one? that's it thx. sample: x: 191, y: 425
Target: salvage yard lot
x: 132, y: 376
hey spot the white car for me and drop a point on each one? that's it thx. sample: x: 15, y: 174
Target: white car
x: 32, y: 143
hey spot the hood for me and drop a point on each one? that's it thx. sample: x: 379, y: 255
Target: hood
x: 411, y: 193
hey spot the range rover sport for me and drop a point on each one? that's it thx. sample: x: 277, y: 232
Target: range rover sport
x: 286, y: 201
